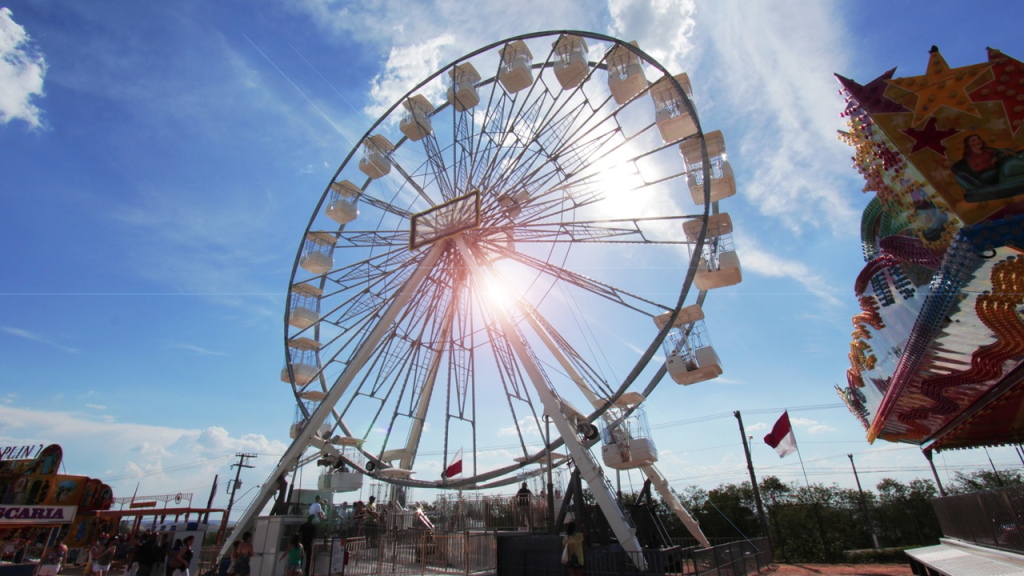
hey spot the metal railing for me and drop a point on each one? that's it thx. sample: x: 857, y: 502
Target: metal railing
x: 734, y: 559
x: 541, y: 556
x: 993, y: 518
x: 406, y: 552
x: 488, y: 513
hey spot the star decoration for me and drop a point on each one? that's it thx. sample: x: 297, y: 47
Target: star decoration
x: 871, y: 96
x: 931, y: 137
x: 940, y: 86
x: 1007, y: 87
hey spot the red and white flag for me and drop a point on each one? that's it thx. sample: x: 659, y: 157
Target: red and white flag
x: 781, y: 437
x: 455, y: 468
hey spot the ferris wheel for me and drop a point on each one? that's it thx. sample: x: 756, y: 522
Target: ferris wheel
x: 503, y: 253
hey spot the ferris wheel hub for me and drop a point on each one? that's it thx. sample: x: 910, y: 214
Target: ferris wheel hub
x: 445, y: 220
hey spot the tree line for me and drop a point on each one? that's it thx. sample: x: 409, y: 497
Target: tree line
x: 822, y: 523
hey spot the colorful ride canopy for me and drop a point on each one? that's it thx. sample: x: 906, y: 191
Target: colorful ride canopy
x: 936, y: 353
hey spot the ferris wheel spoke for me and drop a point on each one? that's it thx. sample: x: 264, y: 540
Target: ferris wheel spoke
x: 412, y: 182
x: 438, y: 169
x: 423, y: 390
x: 384, y: 205
x: 513, y: 381
x: 614, y: 231
x: 405, y: 355
x: 510, y: 136
x: 374, y: 272
x: 371, y: 239
x: 586, y: 378
x: 607, y: 291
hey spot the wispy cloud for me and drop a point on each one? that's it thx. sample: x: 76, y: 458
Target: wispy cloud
x: 663, y: 28
x: 22, y: 70
x: 198, y: 350
x: 813, y: 426
x: 528, y: 426
x: 407, y: 66
x: 773, y: 66
x: 762, y: 262
x: 25, y: 334
x: 96, y: 406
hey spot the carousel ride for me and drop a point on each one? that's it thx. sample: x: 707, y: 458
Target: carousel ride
x: 485, y: 259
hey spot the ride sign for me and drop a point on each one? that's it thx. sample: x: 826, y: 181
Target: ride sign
x: 36, y: 514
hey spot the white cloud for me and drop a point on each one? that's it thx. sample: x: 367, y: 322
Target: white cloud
x: 773, y: 68
x: 758, y: 426
x: 528, y: 426
x: 407, y: 66
x: 813, y: 426
x: 764, y: 263
x: 22, y: 69
x: 96, y: 406
x: 25, y: 334
x: 662, y: 28
x: 164, y: 459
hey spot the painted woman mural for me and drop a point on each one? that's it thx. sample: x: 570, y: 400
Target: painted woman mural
x: 988, y: 173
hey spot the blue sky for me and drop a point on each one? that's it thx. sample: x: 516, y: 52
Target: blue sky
x: 160, y: 164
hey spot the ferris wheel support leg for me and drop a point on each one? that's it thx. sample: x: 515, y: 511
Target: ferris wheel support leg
x: 661, y: 485
x: 590, y: 471
x: 359, y: 359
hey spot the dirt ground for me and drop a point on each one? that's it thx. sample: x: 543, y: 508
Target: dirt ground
x: 839, y: 570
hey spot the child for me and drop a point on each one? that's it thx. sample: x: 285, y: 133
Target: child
x: 295, y: 554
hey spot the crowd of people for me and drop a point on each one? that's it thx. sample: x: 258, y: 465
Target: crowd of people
x: 142, y: 554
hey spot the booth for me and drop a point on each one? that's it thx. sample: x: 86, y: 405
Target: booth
x: 37, y: 504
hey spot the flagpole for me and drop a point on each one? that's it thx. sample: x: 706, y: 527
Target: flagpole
x: 798, y: 454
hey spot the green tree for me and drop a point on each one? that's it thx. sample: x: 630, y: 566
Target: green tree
x: 980, y: 480
x: 905, y: 514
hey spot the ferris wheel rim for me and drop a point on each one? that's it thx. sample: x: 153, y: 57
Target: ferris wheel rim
x: 645, y: 358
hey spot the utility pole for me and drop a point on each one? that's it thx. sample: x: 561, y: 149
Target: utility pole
x: 242, y: 457
x: 753, y: 479
x: 209, y: 503
x: 928, y: 455
x: 999, y: 481
x: 864, y: 503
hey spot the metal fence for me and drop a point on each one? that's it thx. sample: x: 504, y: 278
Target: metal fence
x: 406, y: 552
x: 209, y: 561
x: 453, y: 513
x: 993, y: 518
x: 734, y: 559
x: 540, y: 556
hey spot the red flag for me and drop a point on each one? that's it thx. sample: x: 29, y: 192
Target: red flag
x: 455, y: 468
x: 781, y: 437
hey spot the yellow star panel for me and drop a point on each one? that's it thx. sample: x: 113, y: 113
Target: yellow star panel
x: 940, y: 86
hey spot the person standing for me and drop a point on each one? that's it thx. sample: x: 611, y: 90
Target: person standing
x: 104, y: 555
x: 148, y: 555
x: 183, y: 559
x: 245, y: 553
x: 317, y: 510
x: 307, y: 533
x: 294, y: 553
x: 171, y: 558
x: 523, y: 498
x: 573, y: 542
x: 54, y: 557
